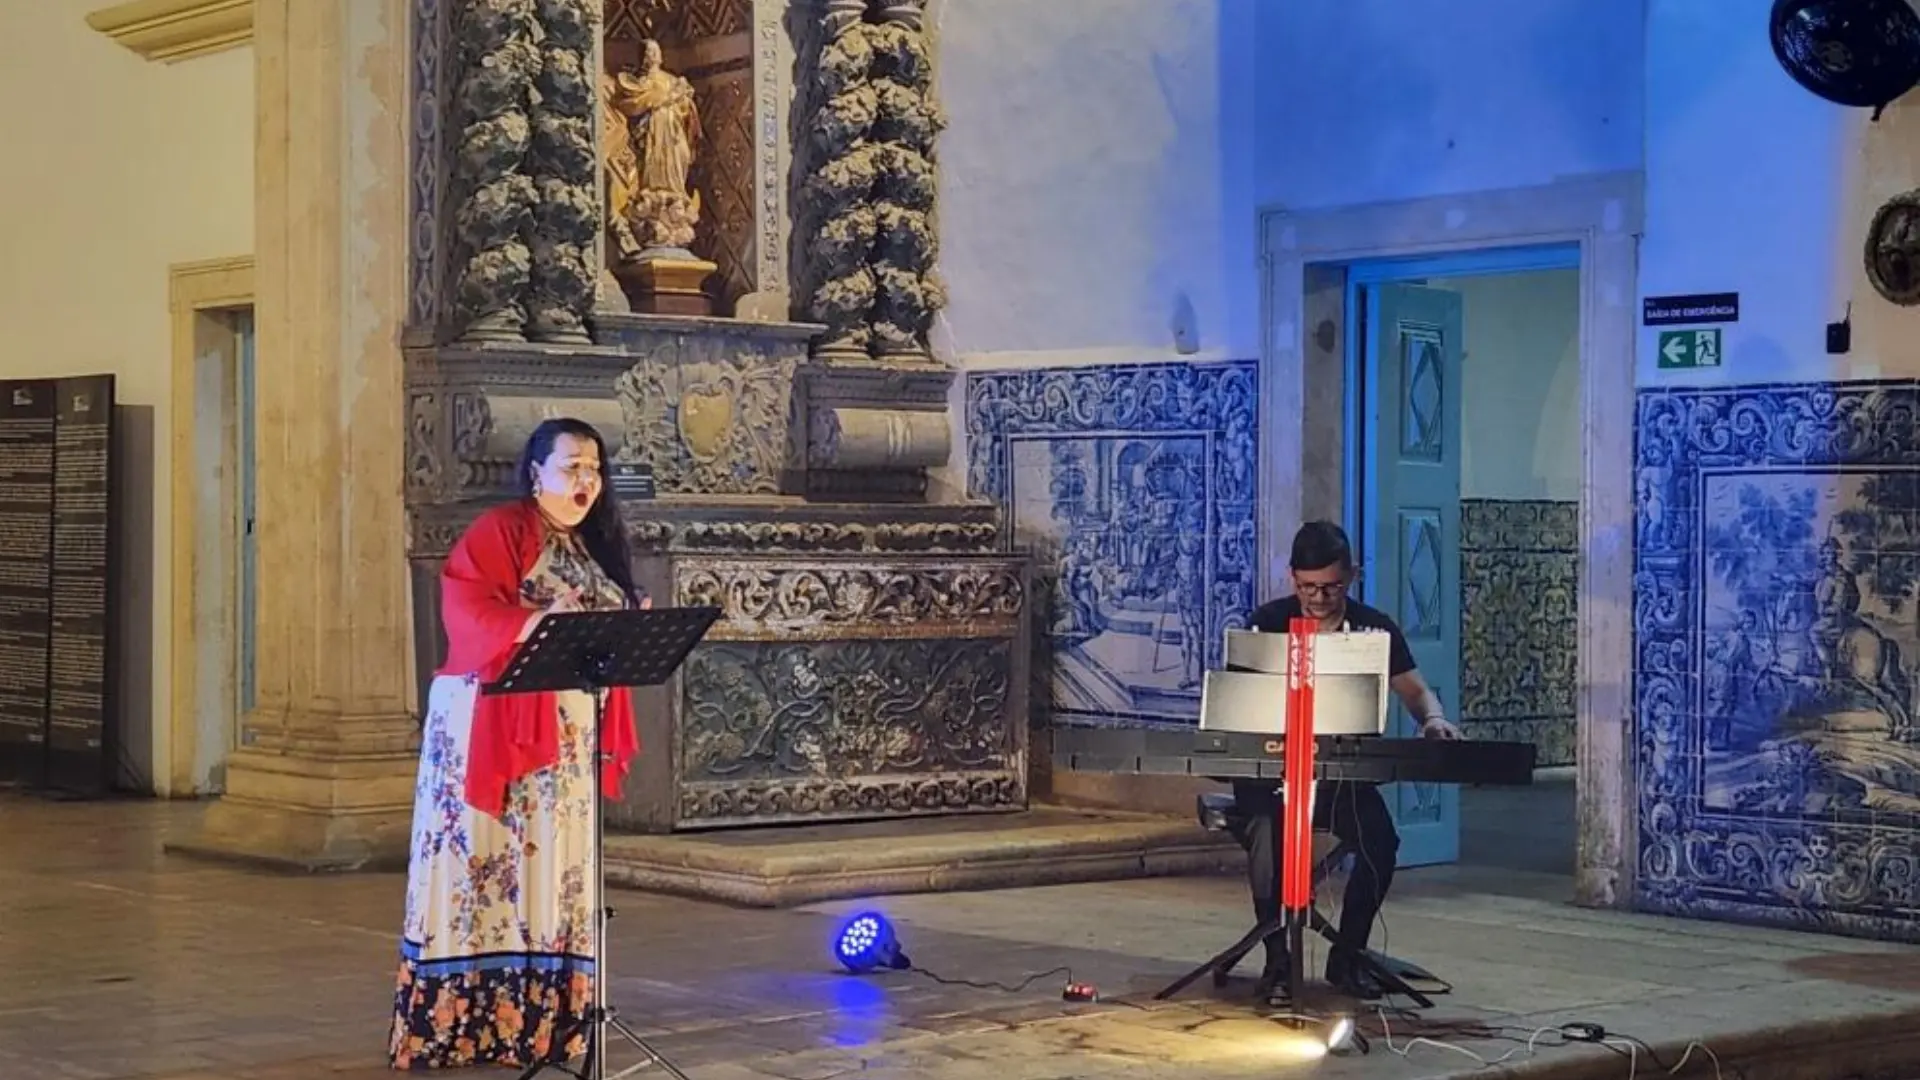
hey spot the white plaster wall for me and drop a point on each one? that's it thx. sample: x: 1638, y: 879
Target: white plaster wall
x: 117, y: 169
x: 1108, y: 158
x: 1757, y: 186
x: 1520, y: 385
x: 1877, y: 161
x: 1364, y: 101
x: 1081, y: 180
x: 1747, y: 191
x: 1368, y: 100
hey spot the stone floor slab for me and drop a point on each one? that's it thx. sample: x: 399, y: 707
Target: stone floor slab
x: 122, y: 963
x: 803, y: 864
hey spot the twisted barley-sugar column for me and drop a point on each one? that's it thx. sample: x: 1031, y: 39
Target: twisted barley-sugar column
x: 495, y: 59
x: 908, y: 293
x: 841, y: 186
x: 564, y: 163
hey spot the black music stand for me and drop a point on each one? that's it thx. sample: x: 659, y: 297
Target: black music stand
x: 595, y: 651
x: 1369, y: 961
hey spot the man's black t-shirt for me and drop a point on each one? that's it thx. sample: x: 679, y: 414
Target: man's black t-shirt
x: 1273, y: 616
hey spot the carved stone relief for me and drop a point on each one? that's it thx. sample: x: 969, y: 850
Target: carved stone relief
x: 843, y: 438
x: 777, y: 731
x: 470, y: 409
x: 817, y: 536
x: 771, y: 61
x: 875, y: 426
x: 689, y: 20
x: 872, y: 658
x: 427, y: 170
x: 724, y: 174
x: 482, y: 437
x: 762, y: 600
x: 499, y: 202
x: 505, y: 175
x: 711, y: 415
x: 772, y: 802
x: 426, y: 465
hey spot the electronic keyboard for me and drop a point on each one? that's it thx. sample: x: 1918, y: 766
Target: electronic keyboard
x: 1230, y: 755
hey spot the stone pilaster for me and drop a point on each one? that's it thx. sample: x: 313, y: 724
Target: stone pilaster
x: 324, y: 777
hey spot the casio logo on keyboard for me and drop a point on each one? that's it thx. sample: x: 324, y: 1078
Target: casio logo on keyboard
x: 1273, y: 746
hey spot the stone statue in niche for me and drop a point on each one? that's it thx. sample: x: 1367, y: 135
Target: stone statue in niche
x: 650, y: 128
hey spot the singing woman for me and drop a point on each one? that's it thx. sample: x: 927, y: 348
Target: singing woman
x: 497, y: 951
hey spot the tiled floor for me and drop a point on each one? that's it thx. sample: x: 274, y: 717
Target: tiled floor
x: 116, y: 961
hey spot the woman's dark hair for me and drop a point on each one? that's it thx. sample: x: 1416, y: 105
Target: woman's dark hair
x: 1320, y: 544
x: 603, y: 533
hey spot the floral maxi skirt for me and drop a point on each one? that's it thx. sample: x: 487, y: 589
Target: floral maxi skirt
x: 497, y: 951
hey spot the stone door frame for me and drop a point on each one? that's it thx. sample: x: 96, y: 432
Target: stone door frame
x: 1304, y: 255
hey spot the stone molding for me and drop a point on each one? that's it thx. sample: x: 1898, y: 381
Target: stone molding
x: 194, y: 290
x: 1303, y: 256
x: 169, y: 31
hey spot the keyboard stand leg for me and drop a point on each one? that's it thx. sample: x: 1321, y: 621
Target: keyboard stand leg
x: 1224, y: 961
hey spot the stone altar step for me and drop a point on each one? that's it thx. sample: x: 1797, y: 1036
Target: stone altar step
x: 802, y: 864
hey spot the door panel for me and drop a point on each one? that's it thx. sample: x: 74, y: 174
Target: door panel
x: 1412, y: 526
x: 247, y: 613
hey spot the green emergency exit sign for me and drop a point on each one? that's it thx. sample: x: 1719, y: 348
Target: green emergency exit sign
x: 1682, y: 349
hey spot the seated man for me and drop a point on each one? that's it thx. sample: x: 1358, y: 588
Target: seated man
x: 1322, y: 567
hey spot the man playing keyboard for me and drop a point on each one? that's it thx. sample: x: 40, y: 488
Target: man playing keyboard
x: 1322, y: 570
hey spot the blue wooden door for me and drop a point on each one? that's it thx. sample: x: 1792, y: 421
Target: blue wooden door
x: 1412, y: 522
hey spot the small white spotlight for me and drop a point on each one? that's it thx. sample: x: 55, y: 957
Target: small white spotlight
x: 1344, y: 1038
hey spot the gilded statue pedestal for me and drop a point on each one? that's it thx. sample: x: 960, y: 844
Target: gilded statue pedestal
x: 667, y: 284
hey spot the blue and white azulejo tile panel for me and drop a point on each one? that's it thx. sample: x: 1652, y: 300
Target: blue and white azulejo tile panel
x: 1134, y: 486
x: 1777, y: 625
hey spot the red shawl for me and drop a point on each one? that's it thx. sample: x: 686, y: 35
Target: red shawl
x: 514, y: 735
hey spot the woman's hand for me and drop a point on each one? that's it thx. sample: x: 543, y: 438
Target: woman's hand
x: 565, y: 602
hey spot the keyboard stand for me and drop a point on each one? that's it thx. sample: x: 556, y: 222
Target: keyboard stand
x: 1391, y: 974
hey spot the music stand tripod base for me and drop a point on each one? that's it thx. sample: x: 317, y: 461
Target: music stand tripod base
x: 1377, y: 965
x: 597, y: 651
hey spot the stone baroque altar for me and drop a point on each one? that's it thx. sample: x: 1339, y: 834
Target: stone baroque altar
x: 872, y: 659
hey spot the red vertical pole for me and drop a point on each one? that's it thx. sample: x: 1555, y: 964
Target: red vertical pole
x: 1296, y: 880
x: 1303, y: 849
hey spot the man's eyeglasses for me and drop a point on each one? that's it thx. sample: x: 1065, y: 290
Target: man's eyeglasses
x: 1319, y: 590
